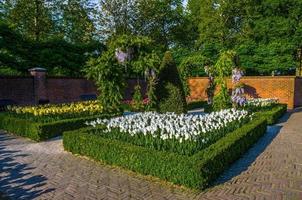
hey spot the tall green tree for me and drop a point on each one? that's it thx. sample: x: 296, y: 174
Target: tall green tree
x: 32, y: 18
x: 271, y: 35
x: 77, y: 25
x: 163, y: 21
x: 265, y: 33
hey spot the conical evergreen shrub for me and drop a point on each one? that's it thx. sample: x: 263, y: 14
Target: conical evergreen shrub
x: 169, y: 90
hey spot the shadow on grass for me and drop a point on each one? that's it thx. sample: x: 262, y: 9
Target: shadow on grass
x: 16, y: 179
x: 250, y: 156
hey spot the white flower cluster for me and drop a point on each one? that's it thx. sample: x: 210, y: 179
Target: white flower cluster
x: 170, y: 125
x: 259, y: 102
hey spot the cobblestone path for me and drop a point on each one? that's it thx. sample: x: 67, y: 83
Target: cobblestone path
x: 272, y: 169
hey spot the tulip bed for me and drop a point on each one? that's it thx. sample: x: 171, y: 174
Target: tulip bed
x: 55, y: 112
x: 182, y: 134
x: 172, y: 147
x: 46, y: 121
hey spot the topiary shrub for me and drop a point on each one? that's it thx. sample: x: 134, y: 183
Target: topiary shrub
x: 169, y: 90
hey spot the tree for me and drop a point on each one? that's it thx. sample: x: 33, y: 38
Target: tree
x: 169, y: 90
x: 32, y: 18
x: 221, y: 71
x: 126, y: 55
x: 271, y: 36
x: 266, y: 34
x: 77, y: 25
x: 58, y: 56
x: 117, y: 17
x: 161, y: 20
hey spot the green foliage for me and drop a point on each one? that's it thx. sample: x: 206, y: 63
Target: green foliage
x: 196, y: 104
x: 196, y: 171
x: 110, y: 75
x: 57, y: 56
x: 169, y: 90
x: 190, y: 66
x: 221, y: 71
x: 137, y: 99
x: 7, y: 71
x: 222, y: 100
x: 163, y: 21
x: 223, y: 153
x: 77, y: 25
x: 273, y: 113
x: 151, y: 93
x: 265, y: 34
x: 31, y: 18
x: 39, y: 131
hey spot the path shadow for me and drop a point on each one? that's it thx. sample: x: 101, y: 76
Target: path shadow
x: 16, y: 179
x: 250, y: 156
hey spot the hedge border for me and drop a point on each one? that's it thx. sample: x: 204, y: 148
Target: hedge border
x: 197, y: 171
x: 272, y: 116
x: 43, y: 131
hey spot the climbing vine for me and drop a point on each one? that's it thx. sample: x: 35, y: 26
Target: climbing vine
x: 126, y: 56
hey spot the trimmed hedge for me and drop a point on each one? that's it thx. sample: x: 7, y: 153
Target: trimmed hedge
x: 196, y: 104
x: 272, y: 116
x: 196, y: 171
x: 169, y: 91
x: 42, y: 131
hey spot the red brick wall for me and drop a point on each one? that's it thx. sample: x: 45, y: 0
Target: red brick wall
x: 298, y: 92
x: 19, y: 89
x: 68, y: 89
x: 281, y: 87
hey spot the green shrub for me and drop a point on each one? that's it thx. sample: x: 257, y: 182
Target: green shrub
x: 42, y: 131
x: 222, y: 99
x: 273, y: 113
x: 196, y: 171
x: 196, y: 104
x: 169, y: 90
x: 137, y: 99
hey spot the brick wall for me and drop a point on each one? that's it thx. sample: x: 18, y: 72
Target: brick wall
x: 281, y: 87
x: 19, y: 89
x: 68, y: 89
x: 298, y: 91
x: 22, y: 89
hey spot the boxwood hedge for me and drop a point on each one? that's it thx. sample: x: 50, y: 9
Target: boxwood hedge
x: 196, y: 171
x: 273, y: 113
x: 42, y: 131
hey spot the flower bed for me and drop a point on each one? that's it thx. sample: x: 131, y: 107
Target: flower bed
x: 43, y: 122
x: 56, y: 112
x: 183, y: 134
x: 262, y: 102
x: 195, y: 171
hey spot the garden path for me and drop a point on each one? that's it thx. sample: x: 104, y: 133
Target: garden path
x: 272, y: 169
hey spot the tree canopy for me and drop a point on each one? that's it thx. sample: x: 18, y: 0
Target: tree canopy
x: 62, y: 34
